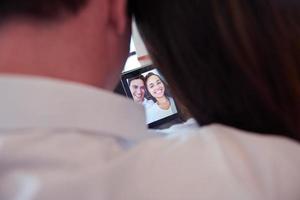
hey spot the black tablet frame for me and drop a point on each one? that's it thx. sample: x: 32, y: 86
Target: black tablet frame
x: 136, y: 72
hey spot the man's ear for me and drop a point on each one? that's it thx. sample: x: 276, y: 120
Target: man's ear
x: 118, y: 16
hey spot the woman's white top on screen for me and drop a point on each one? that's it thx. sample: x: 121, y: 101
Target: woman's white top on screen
x: 155, y: 113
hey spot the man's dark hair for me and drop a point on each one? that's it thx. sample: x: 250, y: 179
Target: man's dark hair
x: 234, y: 62
x: 39, y: 9
x: 135, y: 78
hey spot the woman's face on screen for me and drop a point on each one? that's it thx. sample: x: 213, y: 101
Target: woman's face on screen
x: 155, y: 86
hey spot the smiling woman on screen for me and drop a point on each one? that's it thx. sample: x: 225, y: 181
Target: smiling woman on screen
x: 164, y: 105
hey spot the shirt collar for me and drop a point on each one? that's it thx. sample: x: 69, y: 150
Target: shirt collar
x: 35, y: 102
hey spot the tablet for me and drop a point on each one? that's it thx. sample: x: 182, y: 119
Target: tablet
x: 148, y: 87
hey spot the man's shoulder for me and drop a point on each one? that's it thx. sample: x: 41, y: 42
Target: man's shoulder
x: 46, y: 163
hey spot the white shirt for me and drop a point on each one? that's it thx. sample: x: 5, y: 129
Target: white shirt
x: 67, y: 141
x: 61, y: 140
x: 212, y: 163
x: 154, y: 112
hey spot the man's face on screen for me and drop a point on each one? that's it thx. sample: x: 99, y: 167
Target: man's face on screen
x: 137, y: 89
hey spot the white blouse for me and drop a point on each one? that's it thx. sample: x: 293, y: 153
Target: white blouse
x: 154, y: 112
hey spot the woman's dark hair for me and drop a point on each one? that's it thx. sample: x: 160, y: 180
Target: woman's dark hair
x: 167, y: 94
x: 39, y: 9
x: 234, y: 62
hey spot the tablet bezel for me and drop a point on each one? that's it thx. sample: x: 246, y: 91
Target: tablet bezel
x: 136, y: 72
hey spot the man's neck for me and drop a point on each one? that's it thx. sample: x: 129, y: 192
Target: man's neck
x: 57, y: 50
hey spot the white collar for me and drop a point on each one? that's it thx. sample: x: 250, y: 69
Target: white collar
x: 35, y: 102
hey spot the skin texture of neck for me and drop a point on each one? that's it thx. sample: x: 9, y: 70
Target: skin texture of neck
x: 163, y: 102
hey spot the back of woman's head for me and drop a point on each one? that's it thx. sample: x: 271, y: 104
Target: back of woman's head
x: 235, y: 62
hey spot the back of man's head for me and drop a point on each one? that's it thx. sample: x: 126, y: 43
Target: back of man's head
x: 39, y: 9
x: 79, y: 40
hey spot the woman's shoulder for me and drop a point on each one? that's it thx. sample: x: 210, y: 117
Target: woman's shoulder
x: 245, y: 139
x: 238, y: 164
x: 234, y: 142
x: 225, y: 139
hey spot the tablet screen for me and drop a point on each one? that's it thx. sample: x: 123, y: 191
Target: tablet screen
x: 148, y: 87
